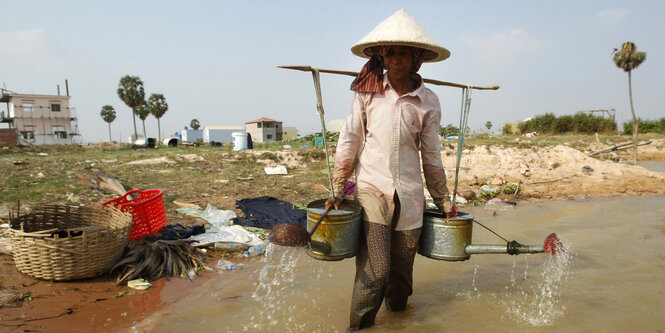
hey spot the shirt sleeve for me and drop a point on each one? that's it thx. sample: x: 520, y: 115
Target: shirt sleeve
x: 430, y: 151
x: 351, y: 139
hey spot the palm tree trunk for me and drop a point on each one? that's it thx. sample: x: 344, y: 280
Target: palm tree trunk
x: 145, y: 136
x: 636, y: 124
x: 110, y: 140
x: 136, y: 134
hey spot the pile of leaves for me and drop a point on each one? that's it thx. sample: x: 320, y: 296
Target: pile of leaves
x: 154, y: 260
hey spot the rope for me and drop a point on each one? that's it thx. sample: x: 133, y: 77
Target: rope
x: 464, y: 117
x: 492, y: 231
x: 319, y: 109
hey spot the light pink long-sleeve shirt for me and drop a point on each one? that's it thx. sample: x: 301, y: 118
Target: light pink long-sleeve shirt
x: 381, y: 140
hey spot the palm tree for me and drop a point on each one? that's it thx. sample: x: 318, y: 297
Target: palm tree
x: 143, y: 113
x: 157, y: 106
x: 195, y: 124
x: 130, y: 91
x: 629, y: 58
x: 108, y: 114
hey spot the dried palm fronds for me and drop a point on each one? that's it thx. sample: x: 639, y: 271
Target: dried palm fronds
x: 154, y: 260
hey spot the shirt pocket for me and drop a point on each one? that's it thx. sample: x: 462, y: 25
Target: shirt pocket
x: 412, y: 121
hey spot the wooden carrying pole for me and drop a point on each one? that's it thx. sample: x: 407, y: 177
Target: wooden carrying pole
x: 349, y: 73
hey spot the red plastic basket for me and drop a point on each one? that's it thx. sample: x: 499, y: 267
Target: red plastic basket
x: 148, y: 214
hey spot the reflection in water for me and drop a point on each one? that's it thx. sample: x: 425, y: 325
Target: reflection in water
x: 610, y: 279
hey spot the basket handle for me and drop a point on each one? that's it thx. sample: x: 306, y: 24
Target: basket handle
x: 131, y: 194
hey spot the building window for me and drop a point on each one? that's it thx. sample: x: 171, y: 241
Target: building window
x: 28, y: 135
x: 59, y: 132
x: 258, y: 125
x: 55, y: 107
x: 28, y: 107
x: 269, y: 125
x: 269, y: 136
x: 276, y: 125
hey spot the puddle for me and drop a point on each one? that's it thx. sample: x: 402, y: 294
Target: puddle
x: 609, y: 280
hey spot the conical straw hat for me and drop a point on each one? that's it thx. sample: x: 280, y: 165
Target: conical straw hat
x: 400, y: 29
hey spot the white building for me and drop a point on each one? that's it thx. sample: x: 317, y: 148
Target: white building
x: 220, y: 133
x: 264, y: 130
x: 190, y: 135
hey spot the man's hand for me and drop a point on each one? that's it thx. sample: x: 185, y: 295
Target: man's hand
x: 338, y: 203
x: 440, y: 208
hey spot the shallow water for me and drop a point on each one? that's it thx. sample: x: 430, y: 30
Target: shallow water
x: 610, y: 280
x: 653, y: 165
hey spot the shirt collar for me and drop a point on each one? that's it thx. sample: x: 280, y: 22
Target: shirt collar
x: 418, y: 92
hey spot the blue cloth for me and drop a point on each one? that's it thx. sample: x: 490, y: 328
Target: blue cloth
x: 266, y: 212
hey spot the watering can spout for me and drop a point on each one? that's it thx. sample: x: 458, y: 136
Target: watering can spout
x: 511, y: 248
x: 552, y: 245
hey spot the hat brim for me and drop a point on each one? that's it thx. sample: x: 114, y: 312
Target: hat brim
x: 433, y: 53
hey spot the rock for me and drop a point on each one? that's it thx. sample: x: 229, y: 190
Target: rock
x: 587, y: 170
x: 459, y: 199
x: 469, y: 195
x: 524, y: 170
x: 10, y: 299
x: 554, y: 165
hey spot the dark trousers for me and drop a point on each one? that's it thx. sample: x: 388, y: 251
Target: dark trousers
x: 384, y: 268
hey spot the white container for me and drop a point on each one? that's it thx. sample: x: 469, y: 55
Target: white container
x: 239, y: 141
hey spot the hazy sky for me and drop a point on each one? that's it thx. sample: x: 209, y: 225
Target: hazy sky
x: 216, y: 60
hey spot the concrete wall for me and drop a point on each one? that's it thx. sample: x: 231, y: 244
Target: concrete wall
x: 289, y: 133
x: 38, y: 121
x: 268, y: 132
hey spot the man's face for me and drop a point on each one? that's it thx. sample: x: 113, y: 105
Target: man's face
x: 398, y: 61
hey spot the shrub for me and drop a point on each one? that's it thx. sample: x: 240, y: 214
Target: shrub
x: 578, y: 123
x: 646, y: 126
x: 563, y: 124
x: 507, y: 129
x: 448, y: 130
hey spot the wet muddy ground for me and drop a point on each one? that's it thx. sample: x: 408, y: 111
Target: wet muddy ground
x: 46, y: 306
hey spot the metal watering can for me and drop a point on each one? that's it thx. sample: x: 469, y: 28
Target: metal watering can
x: 450, y: 239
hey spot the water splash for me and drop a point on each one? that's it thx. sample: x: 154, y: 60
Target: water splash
x: 273, y: 283
x: 537, y: 301
x: 278, y: 287
x: 473, y: 292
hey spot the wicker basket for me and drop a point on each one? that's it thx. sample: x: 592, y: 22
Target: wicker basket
x: 58, y: 242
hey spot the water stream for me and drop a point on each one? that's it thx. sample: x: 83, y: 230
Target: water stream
x: 609, y: 280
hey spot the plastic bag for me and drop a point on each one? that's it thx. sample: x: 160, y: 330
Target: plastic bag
x: 217, y: 217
